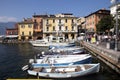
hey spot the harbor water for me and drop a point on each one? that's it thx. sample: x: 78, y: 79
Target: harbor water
x: 14, y: 56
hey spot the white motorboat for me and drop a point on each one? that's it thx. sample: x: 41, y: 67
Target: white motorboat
x: 58, y: 60
x: 69, y: 50
x: 50, y: 41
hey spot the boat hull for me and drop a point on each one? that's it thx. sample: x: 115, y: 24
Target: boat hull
x: 93, y: 69
x: 83, y: 61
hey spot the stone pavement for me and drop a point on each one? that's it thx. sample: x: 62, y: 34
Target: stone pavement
x: 110, y: 53
x: 108, y: 56
x: 103, y: 45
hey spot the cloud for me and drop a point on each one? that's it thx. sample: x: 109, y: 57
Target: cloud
x: 7, y: 19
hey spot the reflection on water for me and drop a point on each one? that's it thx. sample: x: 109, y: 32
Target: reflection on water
x: 14, y: 56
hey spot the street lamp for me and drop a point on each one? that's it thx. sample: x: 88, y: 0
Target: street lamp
x: 116, y: 24
x: 116, y: 42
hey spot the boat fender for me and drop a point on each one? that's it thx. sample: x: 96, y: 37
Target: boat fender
x: 24, y: 68
x: 31, y: 60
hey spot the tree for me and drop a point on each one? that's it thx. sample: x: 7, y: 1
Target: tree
x: 105, y: 24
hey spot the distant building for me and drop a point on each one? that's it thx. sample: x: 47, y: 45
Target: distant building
x: 92, y: 19
x: 25, y: 29
x: 64, y: 25
x: 12, y: 32
x: 81, y: 25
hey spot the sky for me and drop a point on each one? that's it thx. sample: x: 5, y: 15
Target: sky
x: 16, y: 10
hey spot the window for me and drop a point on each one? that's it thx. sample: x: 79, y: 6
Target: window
x: 99, y: 16
x: 47, y: 21
x: 15, y: 33
x: 59, y: 27
x: 53, y: 28
x: 34, y: 20
x: 59, y: 20
x: 30, y: 25
x: 22, y: 26
x: 72, y: 28
x: 53, y: 20
x: 30, y: 33
x: 66, y: 20
x: 72, y: 20
x: 22, y: 33
x: 11, y: 33
x: 66, y: 28
x: 72, y: 35
x: 47, y: 28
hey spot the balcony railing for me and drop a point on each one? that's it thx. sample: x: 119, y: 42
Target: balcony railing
x: 66, y: 31
x: 73, y: 31
x: 60, y: 24
x: 48, y: 24
x: 73, y: 24
x: 54, y: 31
x: 61, y: 31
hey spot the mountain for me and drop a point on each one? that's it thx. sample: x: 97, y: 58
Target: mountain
x: 4, y: 25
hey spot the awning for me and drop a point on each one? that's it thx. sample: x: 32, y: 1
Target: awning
x: 11, y: 36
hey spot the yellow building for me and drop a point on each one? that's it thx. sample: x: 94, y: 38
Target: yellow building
x: 25, y: 29
x: 64, y: 25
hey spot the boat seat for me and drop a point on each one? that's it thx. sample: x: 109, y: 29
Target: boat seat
x: 38, y: 69
x: 78, y: 68
x: 87, y: 67
x: 53, y: 69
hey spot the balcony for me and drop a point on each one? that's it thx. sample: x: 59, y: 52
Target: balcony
x: 60, y: 24
x: 73, y: 31
x: 66, y: 31
x: 47, y: 24
x: 73, y: 24
x: 50, y: 31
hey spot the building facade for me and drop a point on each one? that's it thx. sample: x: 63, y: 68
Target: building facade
x: 81, y: 25
x: 12, y: 33
x: 38, y: 26
x: 63, y: 25
x: 25, y: 29
x: 113, y: 9
x: 92, y: 19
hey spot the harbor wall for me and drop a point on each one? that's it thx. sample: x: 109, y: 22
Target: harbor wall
x: 109, y: 57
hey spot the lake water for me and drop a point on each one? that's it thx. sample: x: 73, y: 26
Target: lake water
x: 14, y: 56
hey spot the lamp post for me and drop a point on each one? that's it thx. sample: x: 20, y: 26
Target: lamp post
x: 116, y: 41
x: 116, y: 24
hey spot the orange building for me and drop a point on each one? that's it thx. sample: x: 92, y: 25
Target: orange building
x: 38, y: 26
x: 93, y: 19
